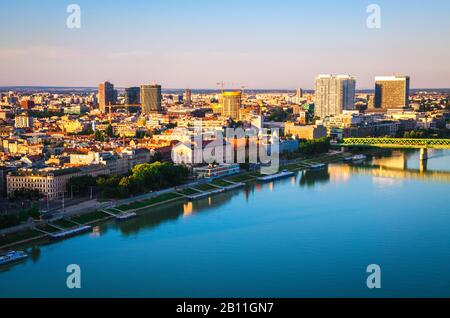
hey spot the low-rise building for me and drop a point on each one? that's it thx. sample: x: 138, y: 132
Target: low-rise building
x: 216, y: 171
x: 50, y: 183
x: 117, y: 163
x: 308, y: 132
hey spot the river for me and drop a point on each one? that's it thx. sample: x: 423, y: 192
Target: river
x: 312, y: 235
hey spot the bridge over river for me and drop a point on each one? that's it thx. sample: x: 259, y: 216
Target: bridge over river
x: 417, y: 143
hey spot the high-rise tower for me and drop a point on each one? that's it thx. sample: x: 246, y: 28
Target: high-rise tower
x: 391, y: 92
x: 231, y: 104
x: 333, y: 94
x: 132, y: 96
x: 151, y: 98
x: 106, y: 96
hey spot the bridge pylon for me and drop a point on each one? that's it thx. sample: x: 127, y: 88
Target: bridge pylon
x: 423, y: 154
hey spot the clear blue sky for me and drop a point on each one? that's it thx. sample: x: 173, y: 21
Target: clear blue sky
x: 196, y: 43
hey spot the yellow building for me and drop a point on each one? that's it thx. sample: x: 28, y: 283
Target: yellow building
x: 71, y: 126
x: 308, y: 132
x: 231, y: 102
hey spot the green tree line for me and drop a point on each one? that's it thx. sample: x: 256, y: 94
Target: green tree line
x: 143, y: 178
x: 316, y: 146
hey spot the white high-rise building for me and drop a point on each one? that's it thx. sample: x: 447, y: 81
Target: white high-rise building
x: 334, y: 94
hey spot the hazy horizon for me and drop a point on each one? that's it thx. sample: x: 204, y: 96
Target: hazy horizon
x: 257, y: 44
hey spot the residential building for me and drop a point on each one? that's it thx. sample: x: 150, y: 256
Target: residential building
x: 23, y: 121
x: 51, y: 183
x: 333, y: 94
x: 26, y: 104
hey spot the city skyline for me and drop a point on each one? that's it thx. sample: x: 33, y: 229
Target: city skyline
x: 169, y: 41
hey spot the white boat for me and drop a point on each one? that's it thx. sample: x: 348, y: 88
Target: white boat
x: 358, y: 158
x: 318, y: 166
x: 282, y: 174
x: 12, y: 257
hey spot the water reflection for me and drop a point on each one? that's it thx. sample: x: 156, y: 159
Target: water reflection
x: 387, y: 183
x: 312, y: 177
x: 188, y: 209
x: 35, y: 254
x: 388, y: 169
x: 405, y: 164
x: 96, y: 232
x: 157, y: 216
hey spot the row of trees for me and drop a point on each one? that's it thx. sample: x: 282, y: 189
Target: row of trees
x: 423, y: 133
x: 9, y: 220
x: 143, y: 178
x: 26, y: 195
x: 316, y: 146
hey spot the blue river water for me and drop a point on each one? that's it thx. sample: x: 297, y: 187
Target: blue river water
x: 312, y: 235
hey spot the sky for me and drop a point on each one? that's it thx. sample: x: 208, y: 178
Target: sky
x: 266, y: 44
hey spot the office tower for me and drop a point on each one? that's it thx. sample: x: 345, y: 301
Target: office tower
x: 151, y: 98
x: 371, y: 102
x: 26, y: 104
x: 392, y: 92
x: 333, y: 94
x: 106, y: 96
x: 231, y: 104
x: 299, y: 93
x: 187, y: 97
x: 132, y: 96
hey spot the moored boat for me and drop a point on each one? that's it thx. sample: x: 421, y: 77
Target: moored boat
x: 356, y: 158
x: 318, y: 166
x: 282, y: 174
x: 12, y: 257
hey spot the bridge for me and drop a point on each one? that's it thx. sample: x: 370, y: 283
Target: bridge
x: 418, y: 143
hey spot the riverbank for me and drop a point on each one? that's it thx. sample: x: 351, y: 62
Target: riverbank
x: 106, y: 211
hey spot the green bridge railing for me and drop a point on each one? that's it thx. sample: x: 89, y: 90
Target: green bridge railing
x: 397, y: 142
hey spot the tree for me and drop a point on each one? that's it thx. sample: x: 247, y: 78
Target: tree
x: 80, y: 185
x: 27, y: 194
x: 143, y: 178
x: 110, y: 131
x: 98, y: 136
x: 8, y: 221
x: 32, y: 212
x: 86, y: 132
x: 278, y: 114
x: 316, y: 146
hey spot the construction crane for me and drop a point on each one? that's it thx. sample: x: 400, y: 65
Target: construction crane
x: 243, y: 90
x: 221, y: 84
